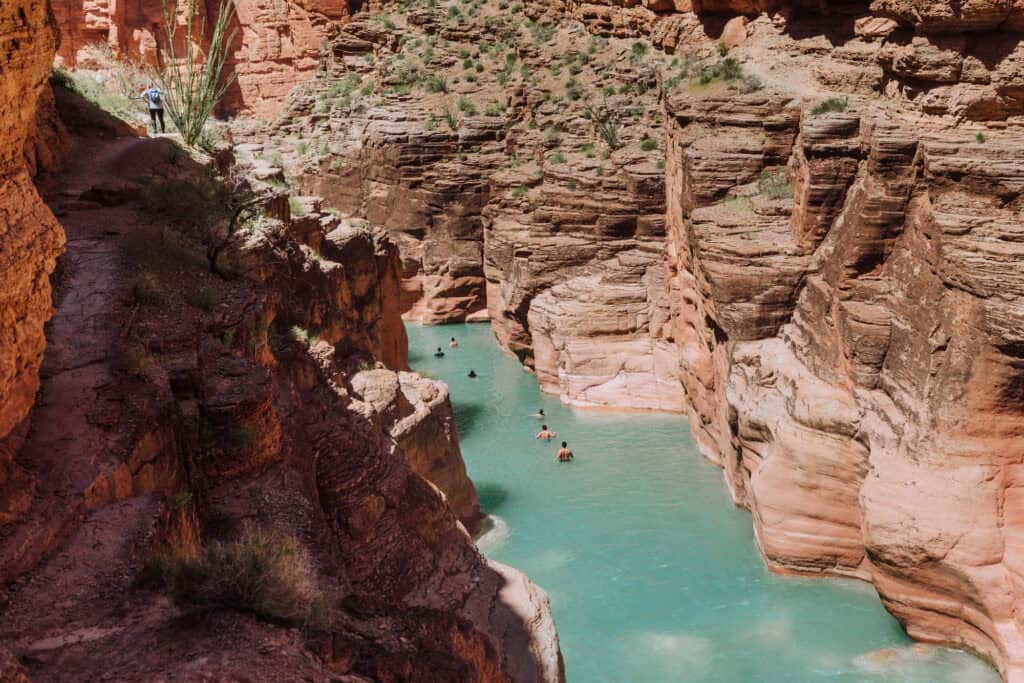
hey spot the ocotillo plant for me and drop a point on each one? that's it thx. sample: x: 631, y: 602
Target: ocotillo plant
x: 192, y: 81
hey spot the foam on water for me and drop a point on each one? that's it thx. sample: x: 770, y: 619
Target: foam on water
x: 493, y: 538
x: 653, y: 574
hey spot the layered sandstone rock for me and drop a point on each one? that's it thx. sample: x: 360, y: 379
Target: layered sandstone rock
x: 846, y: 356
x: 29, y: 243
x: 491, y: 209
x: 417, y: 413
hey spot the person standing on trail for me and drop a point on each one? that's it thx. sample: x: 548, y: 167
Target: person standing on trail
x: 154, y: 97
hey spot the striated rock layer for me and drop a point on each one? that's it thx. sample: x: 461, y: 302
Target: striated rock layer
x: 277, y: 44
x: 522, y: 212
x: 850, y: 349
x: 30, y: 239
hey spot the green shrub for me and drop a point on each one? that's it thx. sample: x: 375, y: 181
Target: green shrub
x: 147, y: 289
x: 558, y: 158
x: 831, y: 105
x: 649, y: 144
x: 519, y: 191
x: 727, y: 70
x: 451, y: 119
x: 637, y: 51
x: 298, y: 210
x: 206, y: 298
x: 266, y: 573
x: 980, y: 137
x: 466, y: 106
x: 774, y: 185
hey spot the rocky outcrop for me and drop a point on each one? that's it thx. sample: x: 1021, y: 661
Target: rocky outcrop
x: 29, y: 243
x: 417, y: 413
x: 847, y: 353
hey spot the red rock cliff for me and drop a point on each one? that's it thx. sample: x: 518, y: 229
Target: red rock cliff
x: 278, y: 43
x: 851, y: 348
x: 30, y: 238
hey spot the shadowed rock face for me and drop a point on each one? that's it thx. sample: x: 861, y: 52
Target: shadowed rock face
x: 30, y: 239
x: 850, y: 352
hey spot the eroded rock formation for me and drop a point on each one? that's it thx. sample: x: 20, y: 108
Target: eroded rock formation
x: 500, y: 189
x: 30, y: 240
x: 849, y: 352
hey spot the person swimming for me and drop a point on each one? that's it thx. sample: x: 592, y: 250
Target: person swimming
x: 539, y: 414
x: 452, y: 344
x: 564, y: 454
x: 472, y: 374
x: 439, y: 353
x: 545, y: 433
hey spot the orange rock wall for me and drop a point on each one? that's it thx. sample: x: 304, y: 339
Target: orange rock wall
x: 30, y: 237
x: 852, y: 357
x: 277, y: 44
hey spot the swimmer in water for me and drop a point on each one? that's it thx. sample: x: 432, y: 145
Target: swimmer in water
x: 539, y: 414
x: 472, y: 374
x: 564, y: 454
x: 452, y: 344
x: 439, y: 353
x: 545, y: 433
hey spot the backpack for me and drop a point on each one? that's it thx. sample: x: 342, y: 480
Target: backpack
x: 154, y: 97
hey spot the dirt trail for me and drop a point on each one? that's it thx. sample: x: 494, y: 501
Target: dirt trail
x: 68, y: 449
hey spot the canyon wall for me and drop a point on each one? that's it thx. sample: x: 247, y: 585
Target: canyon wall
x: 30, y: 240
x: 850, y: 346
x: 277, y: 43
x: 839, y: 249
x: 517, y: 213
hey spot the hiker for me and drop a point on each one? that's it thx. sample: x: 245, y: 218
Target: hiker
x: 539, y: 414
x: 154, y: 97
x: 545, y: 433
x: 452, y: 344
x: 564, y: 454
x: 439, y: 353
x: 472, y: 374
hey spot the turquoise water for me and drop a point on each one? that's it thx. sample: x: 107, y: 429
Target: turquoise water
x: 652, y: 572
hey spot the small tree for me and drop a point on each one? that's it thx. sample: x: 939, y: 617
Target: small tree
x: 191, y: 81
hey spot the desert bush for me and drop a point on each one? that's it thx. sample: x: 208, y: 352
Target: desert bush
x: 147, y: 289
x: 296, y: 207
x: 831, y: 105
x: 606, y: 124
x: 774, y: 185
x: 466, y: 106
x: 268, y: 573
x: 206, y: 298
x: 727, y: 69
x: 980, y: 137
x: 558, y: 158
x: 649, y: 144
x: 436, y: 83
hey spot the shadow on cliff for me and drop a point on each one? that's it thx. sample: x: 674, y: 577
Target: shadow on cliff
x: 835, y: 24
